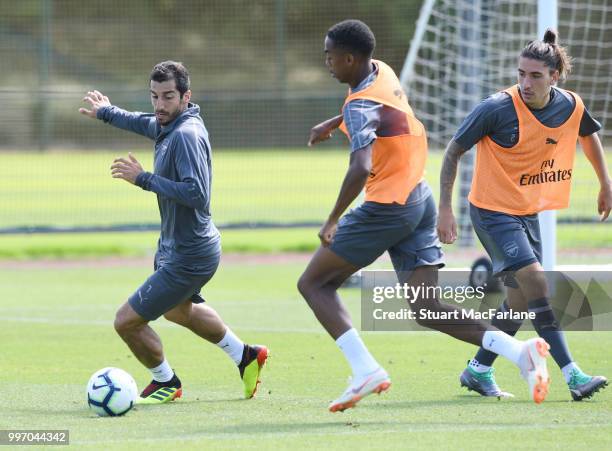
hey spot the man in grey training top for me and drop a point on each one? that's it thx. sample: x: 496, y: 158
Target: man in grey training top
x: 189, y: 246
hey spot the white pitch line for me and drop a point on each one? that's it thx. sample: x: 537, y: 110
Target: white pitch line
x: 164, y: 324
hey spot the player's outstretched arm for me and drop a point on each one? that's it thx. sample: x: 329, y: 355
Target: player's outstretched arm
x: 101, y: 108
x: 591, y: 145
x: 323, y: 131
x: 447, y: 226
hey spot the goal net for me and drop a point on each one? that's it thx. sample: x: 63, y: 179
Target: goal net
x: 463, y: 51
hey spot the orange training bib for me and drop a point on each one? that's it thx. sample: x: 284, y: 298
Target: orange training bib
x: 533, y: 175
x: 398, y: 162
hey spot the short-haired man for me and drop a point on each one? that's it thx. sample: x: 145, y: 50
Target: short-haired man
x: 189, y: 246
x: 388, y: 154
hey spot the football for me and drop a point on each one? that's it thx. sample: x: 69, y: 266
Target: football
x: 111, y: 392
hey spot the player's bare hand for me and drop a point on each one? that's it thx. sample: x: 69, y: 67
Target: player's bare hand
x: 327, y: 232
x: 447, y: 226
x: 126, y: 169
x: 96, y: 101
x: 320, y: 132
x: 604, y: 201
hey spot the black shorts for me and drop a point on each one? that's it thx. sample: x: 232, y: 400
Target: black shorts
x: 511, y: 241
x: 172, y: 283
x: 408, y: 233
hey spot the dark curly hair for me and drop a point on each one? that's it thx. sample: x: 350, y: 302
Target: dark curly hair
x: 353, y: 36
x: 172, y: 70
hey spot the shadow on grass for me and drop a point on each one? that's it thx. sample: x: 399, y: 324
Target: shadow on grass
x: 461, y: 401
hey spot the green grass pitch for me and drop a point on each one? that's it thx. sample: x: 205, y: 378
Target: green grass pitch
x: 64, y: 189
x: 75, y: 188
x: 56, y: 330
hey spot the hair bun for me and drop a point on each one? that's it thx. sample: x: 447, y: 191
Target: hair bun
x: 550, y: 36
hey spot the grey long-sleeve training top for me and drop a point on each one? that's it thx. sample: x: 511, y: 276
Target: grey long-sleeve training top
x: 181, y: 178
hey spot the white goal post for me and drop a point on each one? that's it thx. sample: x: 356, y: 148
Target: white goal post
x: 465, y: 50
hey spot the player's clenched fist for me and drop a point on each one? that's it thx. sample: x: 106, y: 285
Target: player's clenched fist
x: 447, y: 226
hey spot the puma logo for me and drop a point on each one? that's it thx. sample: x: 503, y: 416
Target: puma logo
x: 143, y: 299
x: 550, y: 141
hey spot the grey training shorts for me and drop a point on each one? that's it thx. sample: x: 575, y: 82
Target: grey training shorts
x: 407, y: 232
x: 511, y: 241
x: 172, y: 283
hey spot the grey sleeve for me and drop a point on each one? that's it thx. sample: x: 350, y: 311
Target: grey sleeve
x: 478, y: 124
x: 141, y: 123
x: 191, y: 188
x: 362, y: 119
x: 588, y: 124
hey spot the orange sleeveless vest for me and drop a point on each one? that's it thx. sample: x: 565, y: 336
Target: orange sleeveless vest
x: 398, y: 162
x: 533, y: 175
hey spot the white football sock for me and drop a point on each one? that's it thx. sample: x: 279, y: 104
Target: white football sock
x: 162, y: 372
x: 503, y: 344
x: 478, y: 367
x: 357, y: 355
x: 232, y: 345
x: 567, y: 370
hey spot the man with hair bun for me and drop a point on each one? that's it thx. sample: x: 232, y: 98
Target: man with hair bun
x: 526, y: 142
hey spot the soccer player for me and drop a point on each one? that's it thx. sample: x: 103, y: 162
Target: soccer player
x: 526, y: 141
x: 189, y: 246
x: 388, y: 153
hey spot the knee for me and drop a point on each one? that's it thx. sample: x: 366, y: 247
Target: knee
x: 420, y: 315
x: 310, y: 288
x: 304, y: 286
x: 534, y: 282
x: 127, y: 320
x: 422, y: 309
x: 308, y: 284
x: 122, y: 323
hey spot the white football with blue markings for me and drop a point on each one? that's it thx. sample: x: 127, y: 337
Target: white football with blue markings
x: 111, y: 392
